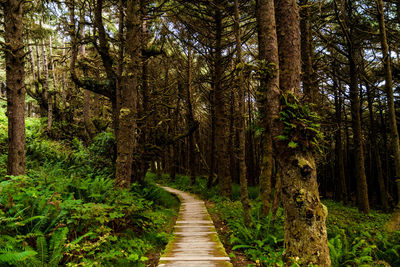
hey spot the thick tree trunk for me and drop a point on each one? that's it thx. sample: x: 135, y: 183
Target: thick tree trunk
x: 15, y: 81
x: 305, y: 230
x: 268, y: 100
x: 126, y: 139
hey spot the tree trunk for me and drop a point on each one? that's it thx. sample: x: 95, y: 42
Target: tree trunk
x: 126, y: 139
x: 221, y: 124
x: 190, y: 117
x: 211, y: 173
x: 46, y: 87
x: 375, y: 152
x: 64, y: 81
x: 86, y: 93
x: 362, y: 187
x: 15, y: 81
x: 268, y: 100
x: 240, y: 116
x: 51, y: 102
x: 394, y: 134
x: 304, y: 227
x: 309, y: 87
x: 339, y: 157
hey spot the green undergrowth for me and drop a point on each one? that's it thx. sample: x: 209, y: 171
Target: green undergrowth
x: 66, y: 210
x: 355, y: 239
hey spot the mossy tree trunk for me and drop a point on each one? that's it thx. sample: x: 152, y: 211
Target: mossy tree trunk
x: 126, y: 139
x: 305, y: 216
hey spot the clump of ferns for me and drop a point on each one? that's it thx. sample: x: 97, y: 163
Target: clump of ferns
x: 302, y: 127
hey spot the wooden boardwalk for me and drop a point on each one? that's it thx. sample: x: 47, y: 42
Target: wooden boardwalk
x: 196, y: 243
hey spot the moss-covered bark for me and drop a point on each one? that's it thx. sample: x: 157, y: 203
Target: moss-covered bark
x: 126, y: 137
x: 305, y: 215
x: 305, y: 230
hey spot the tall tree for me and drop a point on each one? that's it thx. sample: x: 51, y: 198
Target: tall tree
x: 305, y: 216
x: 220, y: 99
x: 394, y: 134
x: 309, y: 88
x: 126, y: 138
x: 347, y: 19
x: 15, y: 81
x: 241, y: 111
x: 268, y: 99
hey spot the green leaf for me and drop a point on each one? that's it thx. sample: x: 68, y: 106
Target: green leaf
x: 282, y: 138
x: 292, y: 144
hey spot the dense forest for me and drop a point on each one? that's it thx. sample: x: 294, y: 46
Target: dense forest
x: 282, y: 115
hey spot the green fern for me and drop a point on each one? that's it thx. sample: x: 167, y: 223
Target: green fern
x: 41, y: 248
x: 15, y: 257
x: 57, y: 242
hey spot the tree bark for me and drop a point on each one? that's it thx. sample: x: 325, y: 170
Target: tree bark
x: 126, y: 139
x: 15, y: 81
x: 268, y: 95
x: 241, y: 128
x: 362, y: 187
x: 394, y: 134
x: 304, y: 227
x: 221, y: 123
x: 309, y: 87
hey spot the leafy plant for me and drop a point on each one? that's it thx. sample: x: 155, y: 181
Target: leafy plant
x: 301, y: 124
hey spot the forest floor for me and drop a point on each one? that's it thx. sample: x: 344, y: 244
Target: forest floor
x: 355, y: 239
x: 66, y: 211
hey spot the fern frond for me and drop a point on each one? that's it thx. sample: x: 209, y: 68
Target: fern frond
x: 14, y: 257
x: 41, y: 248
x: 57, y: 246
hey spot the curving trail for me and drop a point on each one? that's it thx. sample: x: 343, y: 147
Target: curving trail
x: 196, y: 243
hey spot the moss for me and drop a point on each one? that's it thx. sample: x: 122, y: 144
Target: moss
x: 124, y: 112
x: 302, y: 162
